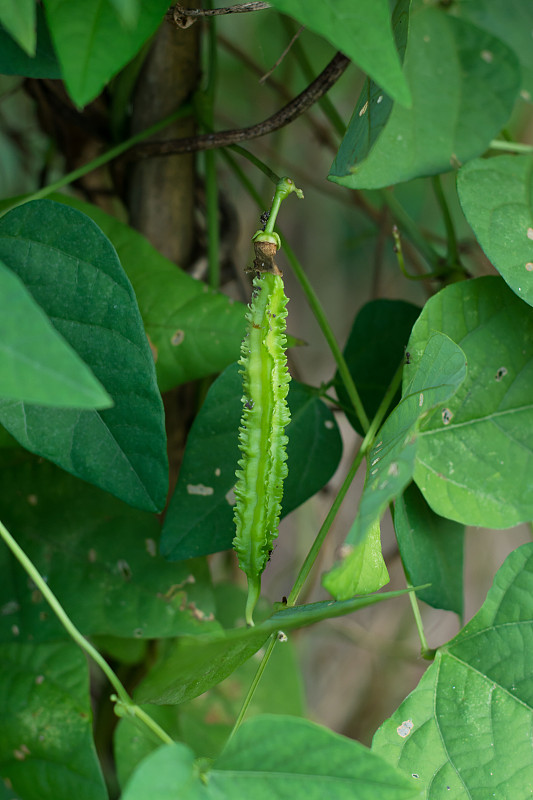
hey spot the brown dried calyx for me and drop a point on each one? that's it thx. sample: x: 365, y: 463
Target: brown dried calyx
x: 264, y: 257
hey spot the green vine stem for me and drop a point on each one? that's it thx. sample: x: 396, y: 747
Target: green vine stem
x: 213, y: 237
x: 264, y: 168
x: 105, y: 158
x: 325, y: 327
x: 410, y: 228
x: 124, y: 703
x: 398, y: 249
x: 210, y: 157
x: 329, y: 110
x: 253, y: 686
x: 511, y: 147
x: 453, y: 252
x: 284, y: 187
x: 425, y: 650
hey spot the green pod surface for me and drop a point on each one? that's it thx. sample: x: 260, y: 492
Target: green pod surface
x: 262, y: 440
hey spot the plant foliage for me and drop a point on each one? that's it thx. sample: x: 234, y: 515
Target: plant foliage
x: 121, y: 399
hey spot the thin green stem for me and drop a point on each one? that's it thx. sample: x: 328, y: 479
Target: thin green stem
x: 105, y: 158
x: 398, y: 249
x: 123, y: 697
x: 425, y: 649
x: 210, y: 156
x: 265, y: 169
x: 254, y: 684
x: 411, y: 230
x: 511, y: 147
x: 324, y: 530
x: 242, y: 176
x: 329, y: 110
x: 152, y: 725
x: 335, y: 402
x: 213, y: 235
x: 284, y: 187
x: 320, y: 316
x: 453, y: 252
x: 361, y: 453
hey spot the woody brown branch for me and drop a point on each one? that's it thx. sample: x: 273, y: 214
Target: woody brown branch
x: 184, y: 17
x: 283, y: 117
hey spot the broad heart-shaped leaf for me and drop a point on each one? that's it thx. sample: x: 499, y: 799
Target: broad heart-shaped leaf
x: 36, y: 363
x: 510, y: 21
x: 475, y: 452
x: 46, y: 745
x: 431, y: 548
x: 465, y: 731
x: 361, y: 30
x: 496, y: 197
x: 18, y: 18
x: 273, y: 757
x: 99, y: 557
x: 286, y: 757
x: 362, y: 570
x: 192, y: 664
x: 193, y: 331
x: 375, y: 348
x: 15, y: 61
x: 199, y: 519
x: 437, y: 376
x: 463, y: 81
x: 93, y: 44
x: 73, y: 273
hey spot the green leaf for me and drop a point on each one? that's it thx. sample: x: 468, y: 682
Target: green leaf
x: 510, y: 21
x: 361, y: 30
x: 191, y: 665
x: 46, y: 746
x: 37, y: 364
x: 15, y: 61
x: 167, y: 774
x: 473, y: 462
x: 280, y: 756
x: 362, y: 569
x: 374, y: 350
x: 73, y: 273
x: 18, y: 19
x: 193, y: 331
x: 438, y: 373
x: 431, y: 548
x: 463, y: 81
x: 272, y: 756
x: 199, y: 519
x: 93, y: 44
x: 78, y: 536
x: 205, y: 723
x: 465, y: 732
x: 496, y: 197
x: 127, y: 11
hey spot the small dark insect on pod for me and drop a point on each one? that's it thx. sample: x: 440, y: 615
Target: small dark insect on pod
x: 407, y: 357
x: 264, y: 218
